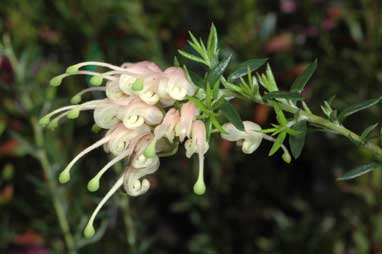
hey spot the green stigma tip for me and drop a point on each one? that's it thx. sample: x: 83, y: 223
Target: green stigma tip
x: 73, y: 113
x: 53, y: 125
x: 64, y: 177
x: 76, y: 99
x: 93, y: 185
x: 137, y: 85
x: 199, y: 187
x: 286, y: 157
x: 89, y: 231
x: 44, y: 121
x: 72, y: 69
x: 56, y: 81
x: 96, y: 128
x: 150, y: 150
x: 96, y: 80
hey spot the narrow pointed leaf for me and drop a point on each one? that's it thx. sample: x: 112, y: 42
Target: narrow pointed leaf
x: 191, y: 57
x: 302, y: 80
x: 279, y: 141
x: 367, y: 131
x: 198, y: 104
x: 358, y: 171
x: 218, y: 70
x: 358, y: 107
x: 294, y: 96
x: 297, y: 142
x: 242, y: 69
x: 212, y: 42
x: 232, y: 115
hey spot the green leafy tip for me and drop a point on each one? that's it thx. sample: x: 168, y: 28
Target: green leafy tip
x: 56, y: 81
x: 89, y: 231
x: 93, y: 184
x: 72, y: 69
x: 96, y: 80
x: 73, y: 113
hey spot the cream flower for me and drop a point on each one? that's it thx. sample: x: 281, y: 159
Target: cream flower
x: 198, y: 144
x: 188, y: 113
x: 249, y: 139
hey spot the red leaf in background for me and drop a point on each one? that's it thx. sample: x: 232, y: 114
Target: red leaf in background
x: 261, y: 114
x: 279, y: 43
x: 6, y: 194
x: 30, y: 237
x: 6, y: 72
x: 8, y: 147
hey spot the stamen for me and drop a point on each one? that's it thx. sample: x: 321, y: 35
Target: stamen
x: 65, y: 174
x: 77, y: 97
x: 199, y: 186
x: 98, y: 77
x: 89, y: 229
x: 93, y: 184
x: 75, y: 68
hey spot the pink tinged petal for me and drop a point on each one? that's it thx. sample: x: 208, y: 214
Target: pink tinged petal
x: 122, y: 139
x: 167, y: 127
x: 178, y: 86
x: 113, y: 91
x: 133, y: 182
x: 105, y: 115
x: 138, y: 112
x: 126, y: 82
x: 198, y: 143
x: 143, y: 67
x: 188, y: 113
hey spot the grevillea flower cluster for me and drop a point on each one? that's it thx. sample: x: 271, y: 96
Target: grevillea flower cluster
x: 140, y: 120
x: 146, y: 114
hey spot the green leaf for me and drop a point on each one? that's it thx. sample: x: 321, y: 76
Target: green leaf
x: 279, y: 114
x: 358, y: 107
x: 232, y: 115
x: 199, y: 104
x: 216, y: 123
x: 191, y: 57
x: 358, y: 171
x: 242, y: 68
x: 300, y: 82
x: 279, y: 141
x: 294, y: 96
x: 218, y: 70
x: 212, y: 42
x: 367, y: 131
x: 297, y: 142
x: 194, y: 78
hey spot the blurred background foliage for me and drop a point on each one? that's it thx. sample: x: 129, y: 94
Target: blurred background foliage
x: 254, y: 204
